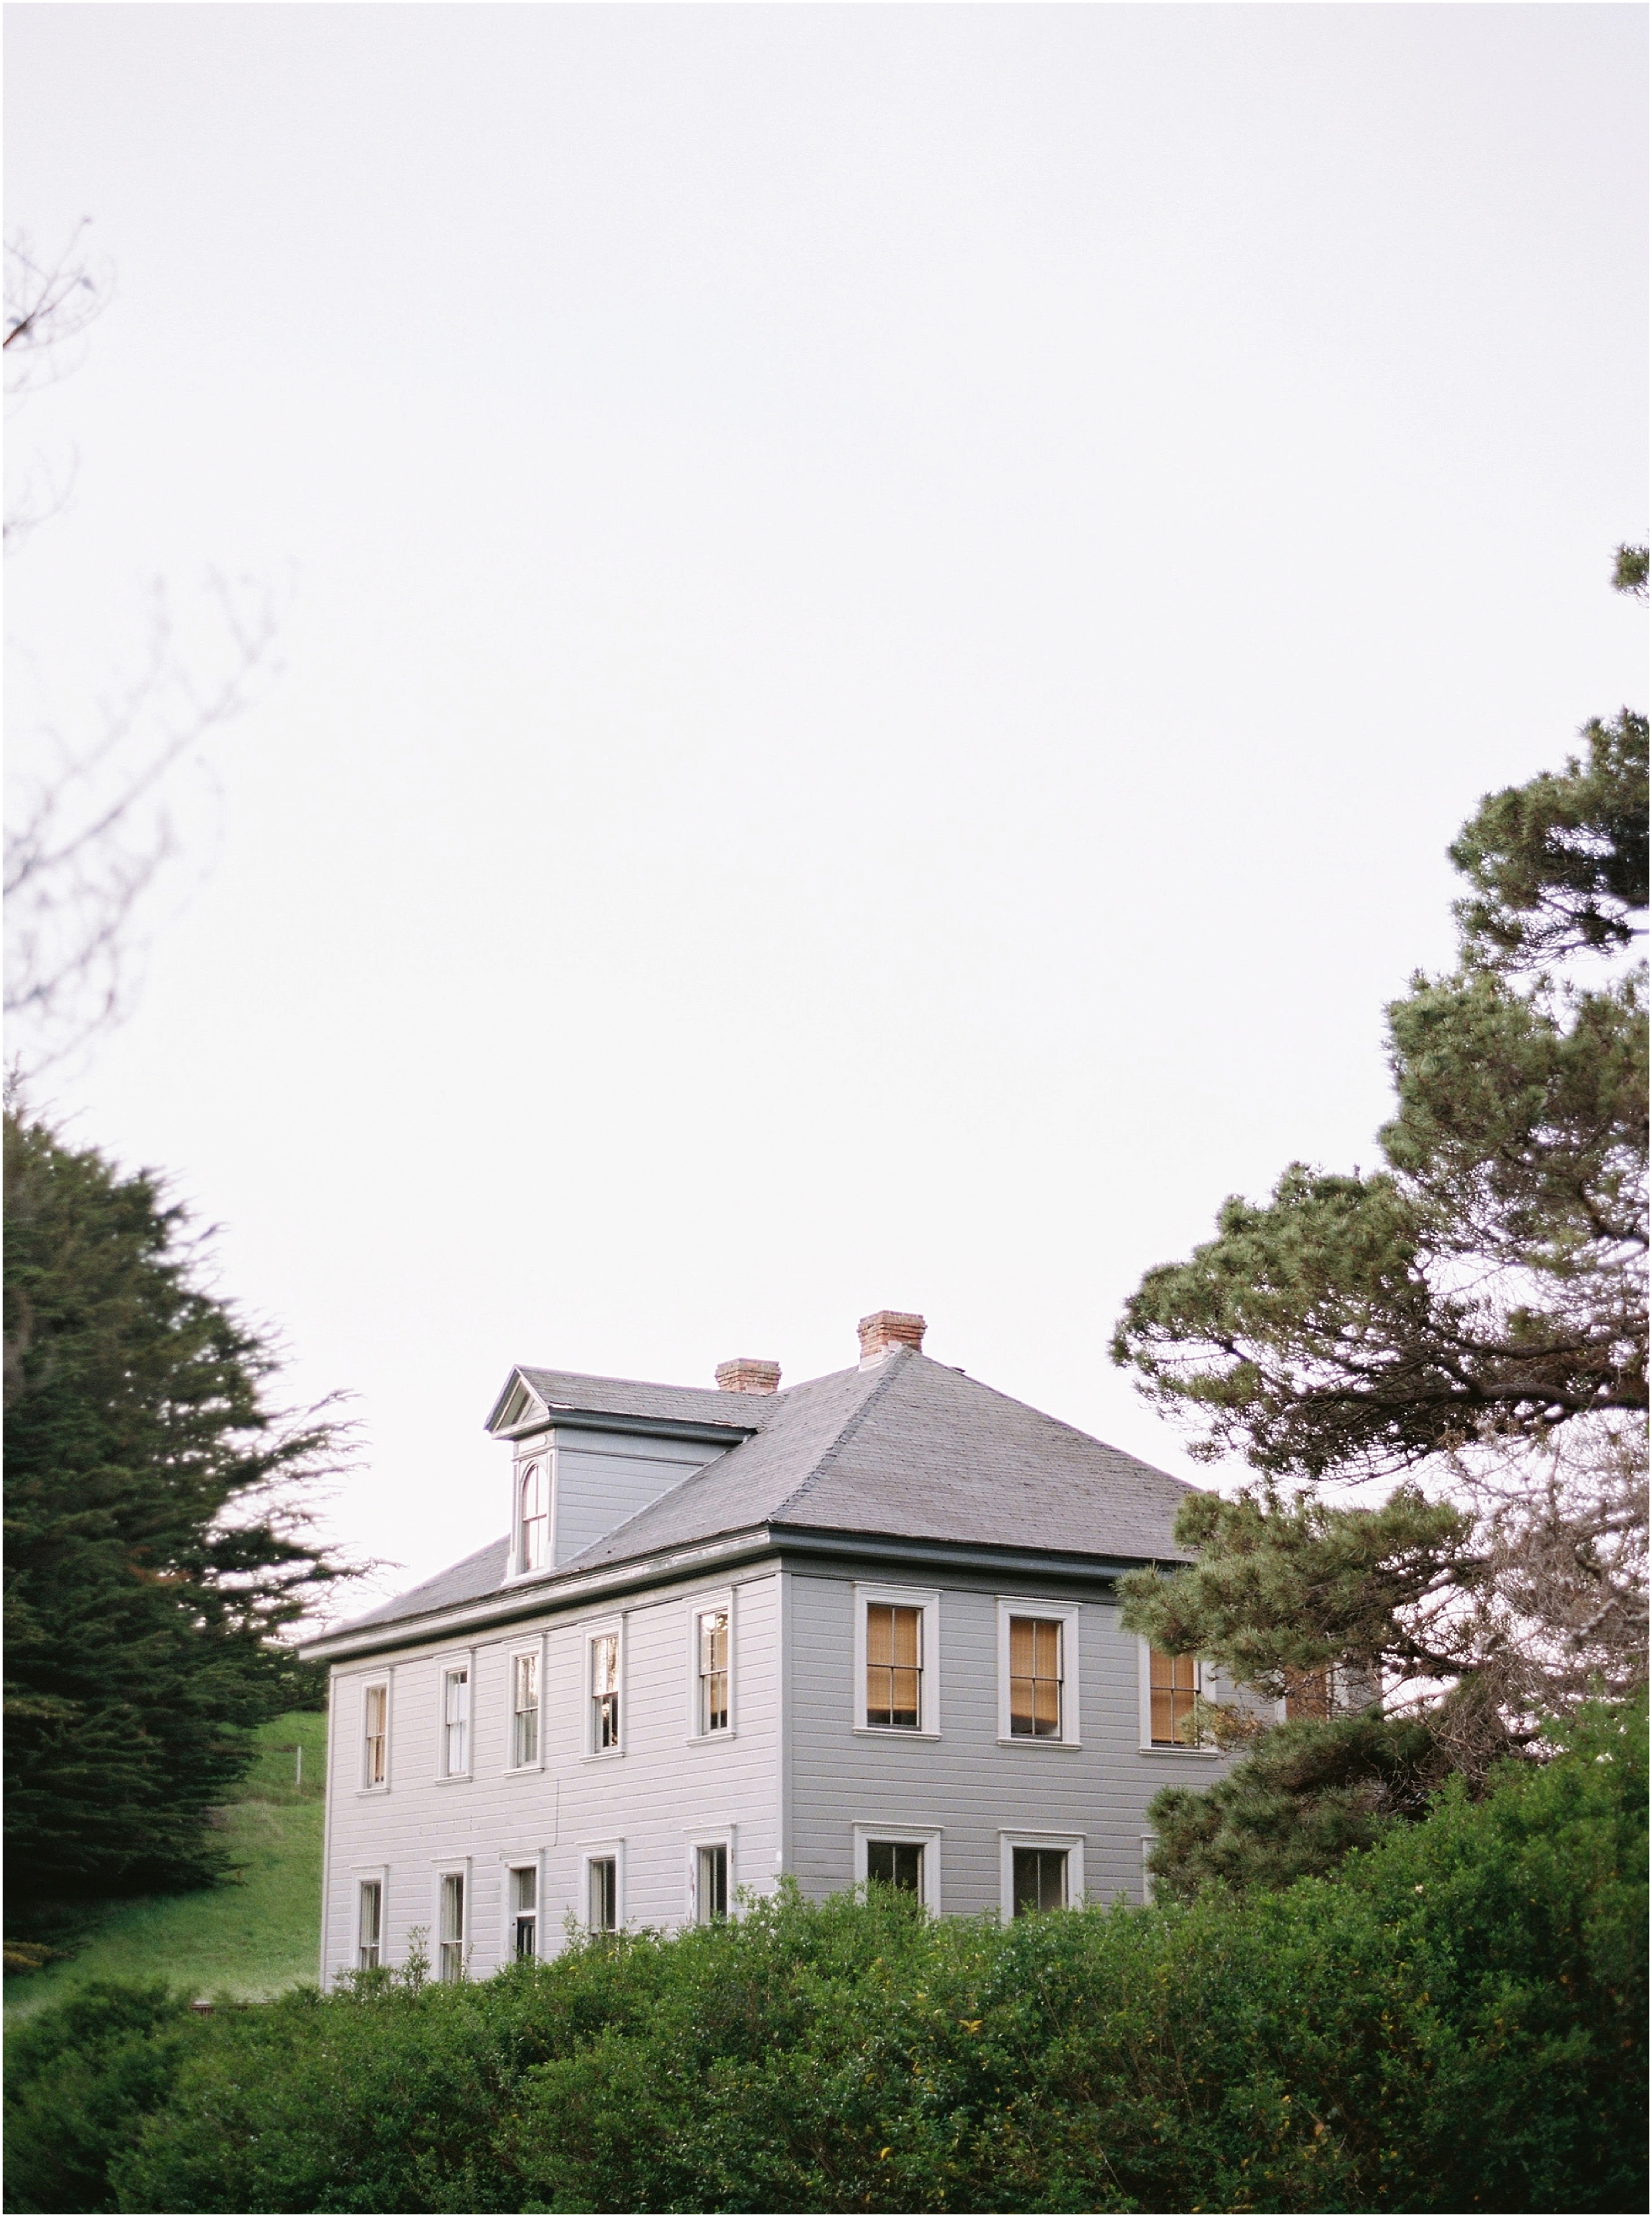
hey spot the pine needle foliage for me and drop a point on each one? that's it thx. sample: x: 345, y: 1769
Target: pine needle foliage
x: 156, y: 1542
x: 1470, y: 1317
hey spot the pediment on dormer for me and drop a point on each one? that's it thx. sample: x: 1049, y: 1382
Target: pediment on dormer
x: 517, y: 1405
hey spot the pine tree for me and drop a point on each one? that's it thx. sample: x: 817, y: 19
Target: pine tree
x: 1474, y: 1311
x: 155, y: 1542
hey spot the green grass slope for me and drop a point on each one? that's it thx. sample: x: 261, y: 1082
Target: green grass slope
x: 249, y: 1937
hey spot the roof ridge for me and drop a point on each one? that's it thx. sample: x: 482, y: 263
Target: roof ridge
x: 891, y: 1365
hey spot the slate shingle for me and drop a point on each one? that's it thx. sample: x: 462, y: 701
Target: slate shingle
x: 909, y: 1449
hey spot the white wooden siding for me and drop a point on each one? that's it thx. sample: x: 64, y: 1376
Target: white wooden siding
x: 603, y: 1478
x: 663, y: 1787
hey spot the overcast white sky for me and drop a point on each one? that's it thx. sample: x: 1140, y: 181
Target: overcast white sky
x: 887, y: 614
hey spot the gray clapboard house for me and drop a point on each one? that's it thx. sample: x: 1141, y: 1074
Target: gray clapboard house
x: 863, y: 1627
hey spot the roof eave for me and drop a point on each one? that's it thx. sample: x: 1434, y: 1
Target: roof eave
x: 531, y: 1597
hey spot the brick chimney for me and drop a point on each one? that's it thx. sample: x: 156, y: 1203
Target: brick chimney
x: 748, y: 1373
x: 882, y: 1333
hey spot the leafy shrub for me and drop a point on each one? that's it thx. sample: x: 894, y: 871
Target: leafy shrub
x: 1454, y: 2020
x: 81, y: 2078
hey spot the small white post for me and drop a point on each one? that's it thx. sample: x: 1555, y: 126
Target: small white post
x: 297, y: 1768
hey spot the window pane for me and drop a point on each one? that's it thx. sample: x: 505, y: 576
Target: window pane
x: 1035, y: 1678
x: 714, y: 1671
x: 450, y: 1963
x: 1308, y: 1693
x: 711, y: 1884
x: 369, y: 1924
x: 526, y: 1744
x: 533, y: 1519
x: 898, y: 1863
x: 894, y: 1665
x: 456, y: 1711
x: 604, y: 1893
x: 605, y: 1690
x: 373, y: 1758
x: 1039, y: 1880
x: 525, y: 1903
x: 1174, y: 1684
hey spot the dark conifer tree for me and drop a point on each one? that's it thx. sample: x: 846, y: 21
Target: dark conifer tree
x: 157, y: 1544
x: 1475, y: 1307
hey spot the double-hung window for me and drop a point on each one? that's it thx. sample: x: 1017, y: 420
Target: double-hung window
x: 605, y: 1694
x: 525, y: 1910
x: 894, y: 1665
x: 906, y: 1858
x: 525, y: 1708
x: 369, y: 1923
x: 1038, y: 1672
x: 712, y: 1882
x: 456, y: 1720
x: 1035, y: 1678
x: 896, y: 1863
x: 1039, y: 1880
x: 602, y: 1881
x: 375, y: 1736
x: 897, y: 1660
x: 1040, y: 1871
x: 533, y: 1518
x: 450, y: 1927
x: 711, y: 1658
x: 1172, y: 1694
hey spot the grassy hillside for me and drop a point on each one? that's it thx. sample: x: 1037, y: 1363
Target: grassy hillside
x: 259, y: 1932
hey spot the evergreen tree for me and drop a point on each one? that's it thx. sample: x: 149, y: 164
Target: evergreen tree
x: 155, y: 1547
x: 1476, y: 1309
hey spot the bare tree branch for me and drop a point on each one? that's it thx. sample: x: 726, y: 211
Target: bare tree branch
x: 91, y: 823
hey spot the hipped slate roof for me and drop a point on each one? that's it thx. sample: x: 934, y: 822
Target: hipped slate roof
x: 907, y: 1449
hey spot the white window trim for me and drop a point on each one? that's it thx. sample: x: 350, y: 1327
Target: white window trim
x: 534, y: 1646
x: 589, y: 1632
x: 594, y: 1851
x: 1008, y: 1843
x: 366, y: 1874
x: 387, y: 1680
x: 515, y: 1860
x: 1144, y: 1691
x: 705, y: 1605
x: 459, y: 1658
x: 452, y: 1867
x: 694, y: 1838
x: 927, y: 1836
x: 928, y: 1599
x: 542, y: 1450
x: 1066, y: 1614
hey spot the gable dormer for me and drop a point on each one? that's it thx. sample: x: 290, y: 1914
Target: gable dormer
x: 587, y: 1454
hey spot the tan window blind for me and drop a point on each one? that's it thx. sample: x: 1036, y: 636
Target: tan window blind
x: 894, y: 1665
x: 1035, y: 1678
x: 1173, y: 1681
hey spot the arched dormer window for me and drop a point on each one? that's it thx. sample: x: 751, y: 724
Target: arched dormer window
x: 531, y: 1519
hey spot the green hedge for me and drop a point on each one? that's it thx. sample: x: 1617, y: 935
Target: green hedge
x: 1455, y: 2022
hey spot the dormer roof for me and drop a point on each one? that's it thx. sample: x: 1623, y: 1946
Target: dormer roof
x: 532, y: 1396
